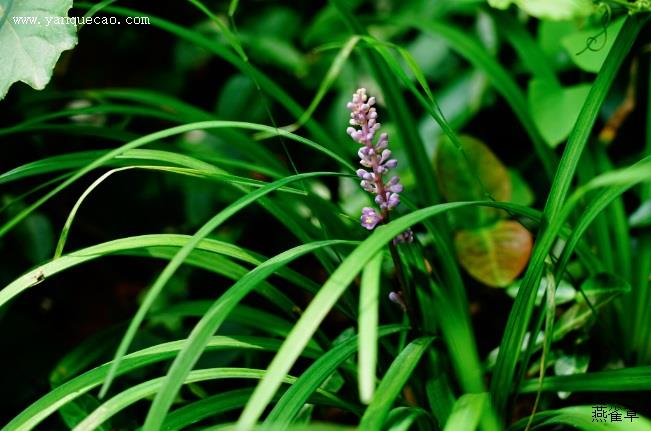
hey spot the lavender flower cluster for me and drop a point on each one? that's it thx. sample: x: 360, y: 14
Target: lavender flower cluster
x: 377, y: 158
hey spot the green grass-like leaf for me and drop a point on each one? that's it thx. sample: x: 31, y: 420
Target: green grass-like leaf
x: 368, y: 325
x: 392, y: 383
x: 522, y: 309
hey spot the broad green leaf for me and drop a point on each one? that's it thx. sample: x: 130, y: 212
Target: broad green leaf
x: 570, y: 365
x: 588, y: 48
x: 550, y: 35
x: 471, y: 172
x: 564, y: 291
x: 555, y: 108
x: 494, y: 255
x: 605, y: 283
x: 29, y: 50
x: 521, y: 193
x: 549, y: 9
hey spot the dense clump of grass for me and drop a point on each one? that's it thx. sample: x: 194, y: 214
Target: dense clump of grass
x: 291, y: 325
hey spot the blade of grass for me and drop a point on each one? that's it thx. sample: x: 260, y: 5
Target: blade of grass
x: 625, y: 379
x: 212, y: 173
x: 368, y: 325
x: 392, y: 383
x: 402, y: 418
x: 467, y: 412
x: 211, y: 321
x: 520, y: 315
x: 183, y: 417
x: 641, y: 293
x: 152, y: 138
x: 329, y: 294
x: 100, y: 345
x: 331, y: 75
x: 617, y: 221
x: 183, y: 253
x: 621, y: 180
x: 26, y: 125
x: 48, y: 404
x: 289, y: 405
x: 150, y: 387
x: 324, y: 301
x: 214, y: 405
x: 439, y: 230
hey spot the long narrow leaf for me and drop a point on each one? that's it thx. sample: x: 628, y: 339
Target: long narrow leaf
x: 392, y: 383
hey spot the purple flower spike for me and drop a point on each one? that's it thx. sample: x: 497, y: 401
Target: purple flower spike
x: 377, y: 157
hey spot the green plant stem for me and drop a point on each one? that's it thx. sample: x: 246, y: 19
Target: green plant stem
x: 408, y: 297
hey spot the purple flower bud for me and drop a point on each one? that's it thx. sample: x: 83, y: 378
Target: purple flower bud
x: 390, y: 164
x: 369, y: 186
x: 394, y: 180
x: 393, y: 200
x: 370, y: 218
x: 396, y: 297
x: 405, y: 237
x: 364, y: 175
x: 382, y: 142
x: 385, y: 155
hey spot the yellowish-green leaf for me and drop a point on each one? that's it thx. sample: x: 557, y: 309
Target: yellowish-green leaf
x: 494, y: 255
